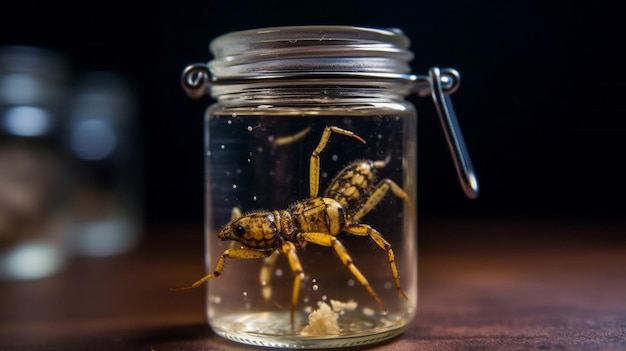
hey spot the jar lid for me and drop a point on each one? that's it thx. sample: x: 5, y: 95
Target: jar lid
x: 303, y: 51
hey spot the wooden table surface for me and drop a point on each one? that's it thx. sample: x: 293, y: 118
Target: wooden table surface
x: 502, y: 285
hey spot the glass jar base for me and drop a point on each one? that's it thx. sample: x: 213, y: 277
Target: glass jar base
x: 274, y: 330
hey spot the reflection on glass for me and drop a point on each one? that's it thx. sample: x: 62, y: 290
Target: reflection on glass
x: 93, y: 140
x: 26, y: 121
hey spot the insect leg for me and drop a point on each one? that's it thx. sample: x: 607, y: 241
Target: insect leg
x: 314, y: 163
x: 289, y: 249
x: 366, y: 230
x: 235, y: 213
x: 330, y: 241
x: 291, y: 138
x: 379, y: 193
x: 265, y: 275
x: 230, y: 253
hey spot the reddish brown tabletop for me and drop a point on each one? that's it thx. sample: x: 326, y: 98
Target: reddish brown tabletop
x: 503, y: 285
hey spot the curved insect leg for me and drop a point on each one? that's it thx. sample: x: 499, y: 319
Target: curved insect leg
x: 286, y: 140
x: 314, y: 163
x: 366, y: 230
x: 379, y: 193
x: 330, y: 241
x: 289, y: 249
x: 241, y: 253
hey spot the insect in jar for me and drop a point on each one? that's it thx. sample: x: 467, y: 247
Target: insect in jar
x: 351, y: 195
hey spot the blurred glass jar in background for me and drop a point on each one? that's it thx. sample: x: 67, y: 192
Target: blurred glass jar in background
x: 33, y: 174
x: 105, y: 191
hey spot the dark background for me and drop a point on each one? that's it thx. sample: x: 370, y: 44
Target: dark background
x: 541, y: 101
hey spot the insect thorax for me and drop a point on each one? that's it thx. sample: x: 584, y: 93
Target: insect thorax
x: 318, y: 215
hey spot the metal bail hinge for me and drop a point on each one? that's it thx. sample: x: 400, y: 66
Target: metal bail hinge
x: 195, y: 80
x: 450, y: 79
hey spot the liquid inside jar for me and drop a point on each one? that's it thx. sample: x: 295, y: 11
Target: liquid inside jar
x: 261, y: 162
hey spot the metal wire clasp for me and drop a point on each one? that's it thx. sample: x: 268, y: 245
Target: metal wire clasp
x: 195, y: 80
x: 439, y: 84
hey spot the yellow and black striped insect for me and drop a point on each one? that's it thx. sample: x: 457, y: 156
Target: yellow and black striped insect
x: 318, y: 220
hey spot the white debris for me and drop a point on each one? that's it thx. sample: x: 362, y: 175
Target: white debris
x: 324, y: 320
x: 341, y: 307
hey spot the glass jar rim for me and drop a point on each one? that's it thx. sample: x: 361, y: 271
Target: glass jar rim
x: 227, y: 44
x: 306, y: 51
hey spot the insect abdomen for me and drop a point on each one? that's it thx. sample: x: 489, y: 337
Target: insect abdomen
x: 352, y: 186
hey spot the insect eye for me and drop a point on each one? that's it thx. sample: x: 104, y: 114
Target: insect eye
x: 239, y: 230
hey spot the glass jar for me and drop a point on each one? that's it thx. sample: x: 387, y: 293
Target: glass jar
x: 34, y: 201
x: 100, y: 135
x: 311, y: 227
